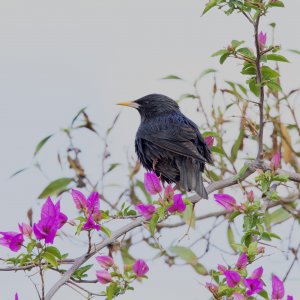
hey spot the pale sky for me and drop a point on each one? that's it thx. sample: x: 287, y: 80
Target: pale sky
x: 59, y: 56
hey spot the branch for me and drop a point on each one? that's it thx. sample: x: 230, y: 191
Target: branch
x: 261, y: 90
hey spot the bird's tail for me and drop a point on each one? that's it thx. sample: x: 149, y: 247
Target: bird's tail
x: 191, y: 177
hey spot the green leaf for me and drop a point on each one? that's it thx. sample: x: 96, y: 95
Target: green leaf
x: 200, y: 269
x: 105, y: 230
x: 248, y: 69
x: 185, y: 254
x: 264, y: 294
x: 294, y: 51
x: 276, y: 57
x: 243, y: 89
x: 206, y: 72
x: 153, y: 223
x: 172, y: 77
x: 278, y: 216
x: 268, y: 73
x: 246, y: 52
x: 50, y: 258
x: 242, y: 171
x: 216, y: 149
x: 273, y: 85
x: 237, y: 145
x: 127, y: 258
x: 189, y: 215
x: 266, y: 236
x: 276, y: 4
x: 41, y: 144
x: 55, y: 187
x: 220, y: 52
x: 54, y: 251
x: 274, y: 235
x: 81, y: 272
x: 112, y: 167
x: 252, y: 249
x: 254, y: 88
x: 235, y: 43
x: 231, y: 240
x: 224, y: 57
x: 210, y: 5
x: 111, y: 291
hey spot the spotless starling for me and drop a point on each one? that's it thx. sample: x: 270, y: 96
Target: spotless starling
x: 170, y: 144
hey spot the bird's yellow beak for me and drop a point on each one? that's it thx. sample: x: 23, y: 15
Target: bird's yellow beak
x: 130, y: 104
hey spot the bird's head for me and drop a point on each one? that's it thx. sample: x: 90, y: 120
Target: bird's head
x: 152, y: 105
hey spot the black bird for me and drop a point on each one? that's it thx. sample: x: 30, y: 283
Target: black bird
x: 170, y: 144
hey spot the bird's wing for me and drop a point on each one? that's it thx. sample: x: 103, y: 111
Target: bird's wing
x: 176, y: 138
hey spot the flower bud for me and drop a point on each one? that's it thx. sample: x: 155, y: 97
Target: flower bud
x: 275, y: 161
x: 262, y: 39
x: 140, y: 268
x: 213, y: 288
x: 169, y: 192
x: 105, y: 261
x: 250, y: 196
x: 103, y: 276
x: 209, y: 140
x: 25, y: 229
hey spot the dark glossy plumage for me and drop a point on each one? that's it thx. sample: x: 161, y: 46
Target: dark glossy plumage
x: 170, y: 144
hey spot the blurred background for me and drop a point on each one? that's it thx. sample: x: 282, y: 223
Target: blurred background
x: 57, y: 57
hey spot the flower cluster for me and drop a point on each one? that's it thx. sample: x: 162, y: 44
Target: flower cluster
x: 236, y: 284
x: 170, y: 201
x: 51, y: 220
x: 90, y: 208
x: 111, y: 275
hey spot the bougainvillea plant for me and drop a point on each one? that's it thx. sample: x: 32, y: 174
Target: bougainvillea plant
x: 254, y: 186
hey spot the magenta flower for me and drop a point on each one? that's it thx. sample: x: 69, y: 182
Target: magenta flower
x: 12, y: 240
x: 289, y: 297
x: 90, y: 224
x: 25, y: 229
x: 209, y: 140
x: 16, y: 296
x: 238, y: 296
x: 242, y: 261
x: 257, y: 273
x: 93, y: 203
x: 103, y: 276
x: 169, y: 192
x: 79, y: 199
x: 277, y: 288
x: 140, y: 268
x: 152, y: 183
x: 262, y: 39
x: 253, y: 286
x: 213, y: 288
x: 232, y: 278
x: 178, y: 204
x: 275, y: 161
x: 227, y: 201
x: 105, y: 261
x: 146, y: 210
x: 51, y: 220
x: 221, y: 269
